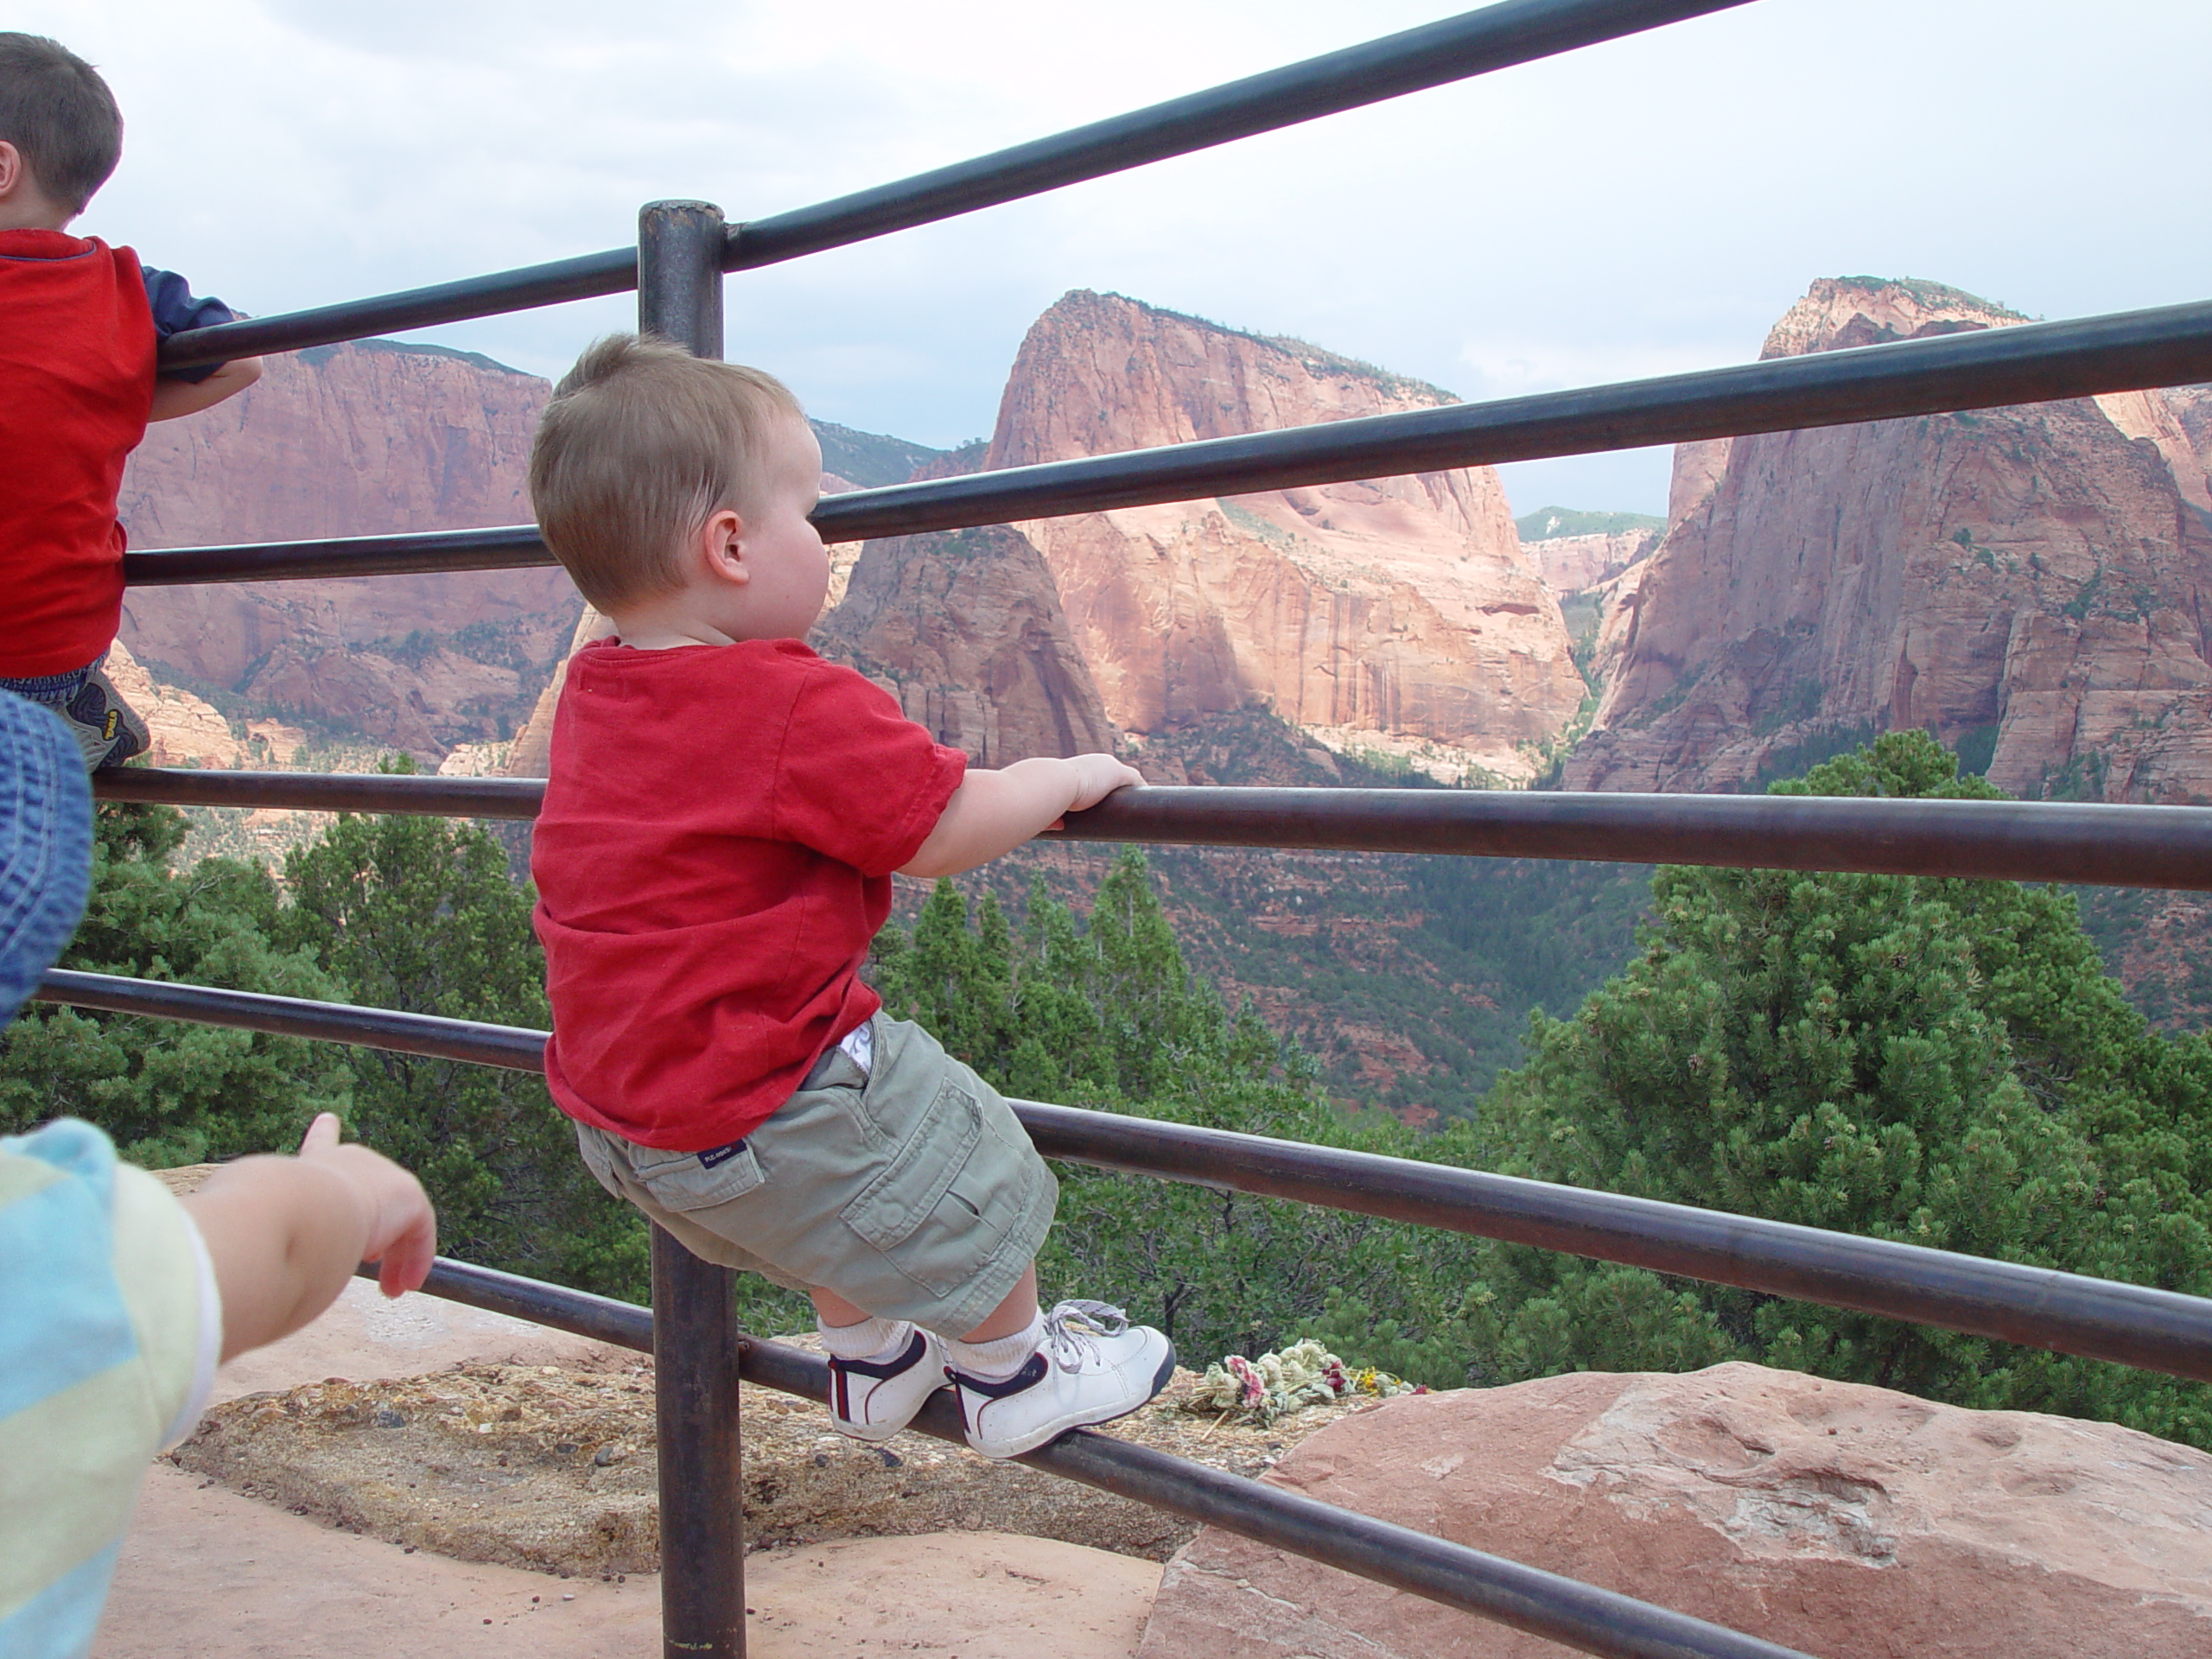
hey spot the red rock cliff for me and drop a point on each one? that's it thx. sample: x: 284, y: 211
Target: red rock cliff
x: 1571, y: 564
x: 1400, y: 610
x: 367, y: 439
x: 2031, y: 583
x: 965, y: 629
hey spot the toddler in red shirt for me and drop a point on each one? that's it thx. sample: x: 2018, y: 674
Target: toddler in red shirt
x: 723, y: 813
x: 80, y: 322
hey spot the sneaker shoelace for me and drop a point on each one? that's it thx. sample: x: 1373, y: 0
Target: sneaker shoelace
x: 1072, y: 1330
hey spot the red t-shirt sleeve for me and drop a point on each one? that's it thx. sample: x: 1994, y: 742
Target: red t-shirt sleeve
x: 857, y: 781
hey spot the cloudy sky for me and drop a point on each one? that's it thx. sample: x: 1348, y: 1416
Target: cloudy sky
x: 1636, y: 208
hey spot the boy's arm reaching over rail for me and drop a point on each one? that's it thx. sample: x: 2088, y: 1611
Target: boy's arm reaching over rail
x: 994, y: 812
x: 175, y: 397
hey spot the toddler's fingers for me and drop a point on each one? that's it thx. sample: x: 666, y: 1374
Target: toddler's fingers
x: 323, y: 1133
x: 407, y: 1259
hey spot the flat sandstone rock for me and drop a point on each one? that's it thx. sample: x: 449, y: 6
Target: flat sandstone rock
x: 552, y: 1467
x: 1843, y: 1521
x: 208, y: 1574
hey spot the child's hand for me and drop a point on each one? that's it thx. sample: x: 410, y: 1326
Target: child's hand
x: 402, y: 1227
x: 994, y: 812
x: 1098, y: 776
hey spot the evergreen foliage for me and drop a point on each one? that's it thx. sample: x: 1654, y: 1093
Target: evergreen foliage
x: 167, y: 1092
x: 1107, y: 1016
x: 1939, y: 1062
x: 420, y: 914
x: 1545, y: 522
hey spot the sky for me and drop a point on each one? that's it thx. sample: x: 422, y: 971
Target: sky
x: 1640, y: 207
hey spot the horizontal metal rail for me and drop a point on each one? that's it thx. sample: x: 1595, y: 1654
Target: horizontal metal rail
x: 1490, y: 1587
x: 516, y: 1048
x: 1496, y: 37
x: 2032, y: 363
x: 2038, y: 1308
x: 325, y: 791
x: 2020, y: 841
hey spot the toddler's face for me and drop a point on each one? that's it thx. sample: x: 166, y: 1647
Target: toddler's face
x: 790, y: 567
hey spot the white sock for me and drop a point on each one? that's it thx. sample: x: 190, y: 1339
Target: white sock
x: 998, y: 1358
x: 872, y: 1340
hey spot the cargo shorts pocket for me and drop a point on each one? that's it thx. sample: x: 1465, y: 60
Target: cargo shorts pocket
x: 894, y: 1204
x: 696, y: 1180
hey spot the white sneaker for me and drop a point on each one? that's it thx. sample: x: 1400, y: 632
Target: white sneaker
x: 872, y: 1400
x: 1091, y: 1367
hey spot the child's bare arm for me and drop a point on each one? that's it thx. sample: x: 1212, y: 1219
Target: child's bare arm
x: 994, y: 812
x: 175, y: 397
x: 284, y: 1234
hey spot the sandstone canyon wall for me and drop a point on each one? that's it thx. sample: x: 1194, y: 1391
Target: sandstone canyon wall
x: 965, y: 629
x: 370, y: 438
x: 1697, y: 469
x: 2030, y: 583
x: 1395, y: 613
x: 1571, y: 564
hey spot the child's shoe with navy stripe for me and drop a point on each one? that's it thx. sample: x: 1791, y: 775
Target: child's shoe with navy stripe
x: 1092, y: 1366
x: 874, y: 1399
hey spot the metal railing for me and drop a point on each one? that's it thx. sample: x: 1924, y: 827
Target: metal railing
x: 683, y: 251
x: 2117, y: 846
x: 2034, y: 362
x: 2039, y: 1307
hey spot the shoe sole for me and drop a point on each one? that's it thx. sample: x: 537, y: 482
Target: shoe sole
x: 1053, y: 1431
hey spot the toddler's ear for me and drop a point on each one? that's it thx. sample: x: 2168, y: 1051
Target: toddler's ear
x: 721, y: 546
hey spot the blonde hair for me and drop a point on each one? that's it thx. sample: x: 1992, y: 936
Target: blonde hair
x: 642, y: 444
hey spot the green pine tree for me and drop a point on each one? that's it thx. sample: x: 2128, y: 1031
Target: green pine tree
x: 1937, y: 1061
x: 1106, y: 1014
x: 168, y: 1092
x: 422, y: 915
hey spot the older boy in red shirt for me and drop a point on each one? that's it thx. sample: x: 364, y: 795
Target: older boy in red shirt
x: 723, y: 817
x: 80, y: 322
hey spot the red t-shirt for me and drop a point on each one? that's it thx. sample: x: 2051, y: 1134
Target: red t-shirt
x: 713, y: 859
x: 77, y: 342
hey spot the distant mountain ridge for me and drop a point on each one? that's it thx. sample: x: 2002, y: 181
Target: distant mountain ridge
x: 1396, y: 614
x: 1546, y: 524
x: 1805, y: 590
x: 871, y: 459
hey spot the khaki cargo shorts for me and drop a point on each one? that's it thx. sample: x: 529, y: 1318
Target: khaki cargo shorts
x: 909, y: 1190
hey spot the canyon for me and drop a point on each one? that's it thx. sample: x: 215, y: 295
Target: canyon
x: 1396, y: 617
x: 2028, y: 582
x: 372, y: 438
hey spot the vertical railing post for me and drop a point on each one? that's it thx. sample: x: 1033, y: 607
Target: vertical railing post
x: 695, y: 1323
